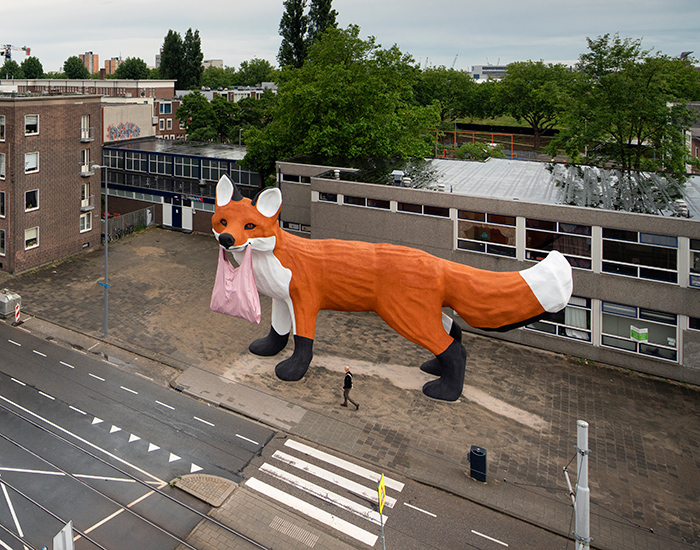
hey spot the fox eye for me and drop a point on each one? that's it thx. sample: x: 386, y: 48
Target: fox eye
x: 249, y: 226
x: 223, y: 222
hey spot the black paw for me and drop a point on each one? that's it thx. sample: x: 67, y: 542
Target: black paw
x: 294, y: 368
x: 433, y: 366
x: 452, y: 363
x: 272, y: 344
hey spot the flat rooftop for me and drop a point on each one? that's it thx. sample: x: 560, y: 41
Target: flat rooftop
x: 180, y: 147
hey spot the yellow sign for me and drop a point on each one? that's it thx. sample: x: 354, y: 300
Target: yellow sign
x: 381, y: 490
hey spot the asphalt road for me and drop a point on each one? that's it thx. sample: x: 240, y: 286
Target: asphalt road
x: 87, y: 440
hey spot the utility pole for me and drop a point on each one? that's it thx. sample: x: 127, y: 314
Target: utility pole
x: 581, y: 497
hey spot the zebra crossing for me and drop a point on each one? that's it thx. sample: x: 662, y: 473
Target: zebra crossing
x: 342, y: 495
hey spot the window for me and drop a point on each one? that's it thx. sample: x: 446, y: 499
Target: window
x: 85, y: 130
x: 640, y: 330
x: 2, y: 204
x: 85, y: 222
x: 695, y: 262
x: 165, y: 108
x: 31, y: 162
x: 161, y: 164
x: 31, y: 125
x: 357, y: 201
x: 2, y: 166
x: 136, y: 162
x: 2, y: 242
x: 694, y: 323
x: 572, y: 240
x: 186, y: 167
x: 31, y: 200
x: 488, y: 233
x: 212, y: 170
x: 423, y: 209
x: 328, y: 197
x: 85, y: 161
x: 113, y: 159
x: 161, y: 124
x: 642, y: 255
x: 31, y: 238
x: 574, y: 321
x: 2, y: 127
x: 169, y: 124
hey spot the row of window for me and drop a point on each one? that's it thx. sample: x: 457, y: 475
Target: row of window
x: 31, y: 235
x: 629, y: 328
x: 31, y: 126
x: 31, y: 199
x: 628, y: 253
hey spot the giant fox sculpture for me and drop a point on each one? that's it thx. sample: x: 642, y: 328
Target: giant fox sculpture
x: 407, y: 288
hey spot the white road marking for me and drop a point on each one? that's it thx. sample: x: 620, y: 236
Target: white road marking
x: 66, y: 365
x: 246, y: 439
x: 93, y: 346
x: 419, y: 509
x: 133, y: 438
x: 173, y: 458
x: 12, y: 511
x: 18, y: 382
x: 96, y: 377
x: 152, y: 447
x: 76, y: 410
x: 313, y: 512
x: 166, y: 406
x: 324, y: 494
x: 344, y: 464
x: 47, y: 396
x: 195, y: 468
x: 61, y: 474
x: 114, y: 429
x: 489, y: 538
x: 15, y: 343
x: 82, y: 440
x: 129, y: 390
x: 39, y: 353
x: 97, y: 421
x: 203, y: 421
x: 370, y: 493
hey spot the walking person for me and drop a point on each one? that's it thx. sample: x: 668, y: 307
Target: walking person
x: 347, y: 386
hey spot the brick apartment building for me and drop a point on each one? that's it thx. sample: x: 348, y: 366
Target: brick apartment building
x: 49, y: 195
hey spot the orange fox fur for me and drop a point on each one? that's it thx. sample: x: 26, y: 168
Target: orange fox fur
x: 406, y: 287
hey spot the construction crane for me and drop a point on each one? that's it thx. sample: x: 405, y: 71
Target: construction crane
x: 7, y: 49
x: 455, y: 61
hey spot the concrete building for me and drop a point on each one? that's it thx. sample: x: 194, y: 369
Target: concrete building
x: 91, y: 61
x: 636, y: 300
x: 49, y: 194
x: 111, y: 65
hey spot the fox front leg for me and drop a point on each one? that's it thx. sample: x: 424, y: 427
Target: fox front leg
x: 277, y: 338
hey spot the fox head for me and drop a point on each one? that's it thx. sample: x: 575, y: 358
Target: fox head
x: 238, y: 221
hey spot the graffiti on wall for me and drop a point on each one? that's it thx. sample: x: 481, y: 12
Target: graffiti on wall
x: 123, y: 130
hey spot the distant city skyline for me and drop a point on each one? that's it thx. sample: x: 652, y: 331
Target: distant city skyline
x: 459, y: 33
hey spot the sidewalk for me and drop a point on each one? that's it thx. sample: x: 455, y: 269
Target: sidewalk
x: 520, y: 404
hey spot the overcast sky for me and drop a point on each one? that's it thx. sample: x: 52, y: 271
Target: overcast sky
x: 463, y: 32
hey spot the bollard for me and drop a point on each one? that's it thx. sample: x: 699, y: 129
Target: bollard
x: 477, y: 463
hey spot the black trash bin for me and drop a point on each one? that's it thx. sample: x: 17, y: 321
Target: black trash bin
x: 477, y: 463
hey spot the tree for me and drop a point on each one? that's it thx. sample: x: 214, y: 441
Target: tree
x: 11, y: 69
x: 350, y: 99
x: 255, y: 72
x: 321, y: 18
x: 454, y: 90
x: 171, y: 56
x: 197, y: 114
x: 32, y: 68
x: 530, y: 92
x: 75, y: 68
x: 132, y: 68
x: 217, y: 77
x: 192, y: 58
x: 628, y: 108
x: 293, y: 27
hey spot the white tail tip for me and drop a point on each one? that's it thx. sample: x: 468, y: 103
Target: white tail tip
x: 550, y: 281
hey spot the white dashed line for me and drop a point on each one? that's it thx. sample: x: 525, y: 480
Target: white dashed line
x: 18, y: 382
x: 47, y: 396
x: 15, y: 343
x: 166, y: 406
x: 489, y: 538
x: 203, y: 421
x: 419, y: 509
x: 76, y: 410
x: 66, y: 365
x: 96, y: 377
x: 129, y: 390
x: 246, y: 439
x: 39, y: 353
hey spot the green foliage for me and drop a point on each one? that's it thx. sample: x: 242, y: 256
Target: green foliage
x: 75, y: 68
x: 476, y: 151
x: 292, y: 29
x: 132, y: 68
x: 321, y: 18
x: 32, y: 68
x: 628, y: 108
x: 350, y: 99
x: 254, y: 72
x: 192, y: 58
x: 11, y: 69
x: 171, y: 58
x: 217, y: 77
x: 456, y: 92
x: 205, y: 120
x: 530, y: 91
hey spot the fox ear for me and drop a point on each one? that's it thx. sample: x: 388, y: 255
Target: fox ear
x: 268, y: 201
x: 226, y: 191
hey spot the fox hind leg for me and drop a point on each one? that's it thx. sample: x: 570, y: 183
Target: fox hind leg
x: 294, y: 368
x: 277, y: 338
x: 451, y: 366
x: 433, y: 366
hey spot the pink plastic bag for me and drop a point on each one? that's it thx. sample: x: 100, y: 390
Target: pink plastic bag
x: 234, y: 291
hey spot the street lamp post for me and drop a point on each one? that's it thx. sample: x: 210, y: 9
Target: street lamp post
x: 105, y: 284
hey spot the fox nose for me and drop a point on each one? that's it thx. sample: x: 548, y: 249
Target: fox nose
x: 226, y: 240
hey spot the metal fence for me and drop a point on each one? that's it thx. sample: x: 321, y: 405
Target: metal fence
x: 124, y: 224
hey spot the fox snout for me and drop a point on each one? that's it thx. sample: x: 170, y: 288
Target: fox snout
x: 226, y: 240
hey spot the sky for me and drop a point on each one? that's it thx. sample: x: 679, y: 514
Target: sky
x: 451, y: 33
